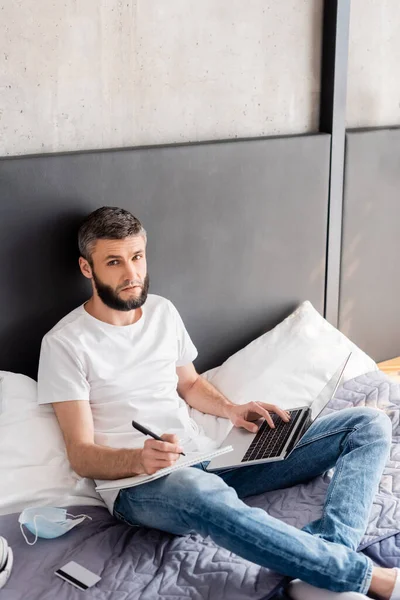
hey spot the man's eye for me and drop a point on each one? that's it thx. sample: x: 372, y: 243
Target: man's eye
x: 112, y: 262
x: 138, y: 256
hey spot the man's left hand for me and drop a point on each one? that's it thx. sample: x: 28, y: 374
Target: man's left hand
x: 242, y: 415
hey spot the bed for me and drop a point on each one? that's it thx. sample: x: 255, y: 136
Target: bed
x: 251, y: 209
x: 145, y: 563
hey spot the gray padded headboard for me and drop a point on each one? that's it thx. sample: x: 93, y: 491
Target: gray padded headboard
x: 236, y: 236
x: 370, y: 280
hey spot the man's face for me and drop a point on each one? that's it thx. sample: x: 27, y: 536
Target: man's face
x: 117, y: 265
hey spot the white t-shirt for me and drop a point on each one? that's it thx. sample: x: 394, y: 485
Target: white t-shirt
x: 125, y: 372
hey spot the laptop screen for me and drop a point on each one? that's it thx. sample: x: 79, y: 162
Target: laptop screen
x: 328, y: 391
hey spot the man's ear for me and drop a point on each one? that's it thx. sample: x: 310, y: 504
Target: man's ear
x: 85, y: 268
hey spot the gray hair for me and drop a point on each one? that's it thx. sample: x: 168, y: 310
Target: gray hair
x: 107, y: 222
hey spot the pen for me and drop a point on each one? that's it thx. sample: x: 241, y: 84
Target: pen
x: 146, y: 431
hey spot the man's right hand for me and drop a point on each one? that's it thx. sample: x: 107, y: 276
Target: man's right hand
x: 157, y: 455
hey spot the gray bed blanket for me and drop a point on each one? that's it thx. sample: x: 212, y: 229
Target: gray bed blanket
x: 146, y: 564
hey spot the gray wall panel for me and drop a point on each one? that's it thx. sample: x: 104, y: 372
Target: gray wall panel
x: 236, y: 236
x: 370, y: 281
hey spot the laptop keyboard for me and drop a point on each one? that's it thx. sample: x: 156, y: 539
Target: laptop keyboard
x: 269, y: 442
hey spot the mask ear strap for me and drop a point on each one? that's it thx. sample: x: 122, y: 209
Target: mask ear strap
x: 23, y: 533
x: 77, y: 516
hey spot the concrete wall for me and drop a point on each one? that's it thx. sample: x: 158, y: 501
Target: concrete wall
x: 81, y: 74
x: 373, y: 88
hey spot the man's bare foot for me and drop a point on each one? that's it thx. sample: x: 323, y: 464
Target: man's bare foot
x: 382, y: 583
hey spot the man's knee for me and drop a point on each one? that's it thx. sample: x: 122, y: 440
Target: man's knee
x: 197, y: 483
x: 375, y: 419
x: 180, y: 502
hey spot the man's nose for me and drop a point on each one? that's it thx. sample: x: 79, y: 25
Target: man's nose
x: 131, y: 273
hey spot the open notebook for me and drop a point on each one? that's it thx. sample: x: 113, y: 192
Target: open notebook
x: 183, y: 461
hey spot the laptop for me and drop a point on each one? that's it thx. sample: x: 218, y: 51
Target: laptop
x: 269, y: 444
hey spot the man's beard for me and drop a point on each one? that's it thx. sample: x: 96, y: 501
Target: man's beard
x: 111, y: 299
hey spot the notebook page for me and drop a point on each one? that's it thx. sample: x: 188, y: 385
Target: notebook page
x: 183, y: 461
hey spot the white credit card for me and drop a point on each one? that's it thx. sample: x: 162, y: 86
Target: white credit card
x: 77, y: 575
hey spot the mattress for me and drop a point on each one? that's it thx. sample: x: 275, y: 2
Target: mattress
x: 146, y: 564
x: 133, y: 563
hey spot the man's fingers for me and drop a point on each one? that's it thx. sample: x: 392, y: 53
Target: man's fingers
x: 284, y: 414
x: 269, y: 420
x: 163, y: 446
x: 157, y: 455
x: 263, y: 413
x: 172, y: 438
x: 252, y: 427
x: 154, y: 460
x: 260, y: 408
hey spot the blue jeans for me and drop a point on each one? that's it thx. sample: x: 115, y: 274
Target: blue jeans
x: 355, y: 441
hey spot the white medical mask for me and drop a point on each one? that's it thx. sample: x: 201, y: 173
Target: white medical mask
x: 48, y: 522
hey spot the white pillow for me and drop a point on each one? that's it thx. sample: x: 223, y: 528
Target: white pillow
x: 210, y: 373
x: 287, y: 366
x: 34, y: 468
x: 17, y: 392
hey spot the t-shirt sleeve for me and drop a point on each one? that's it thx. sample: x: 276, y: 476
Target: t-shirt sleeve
x: 187, y: 351
x: 61, y: 376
